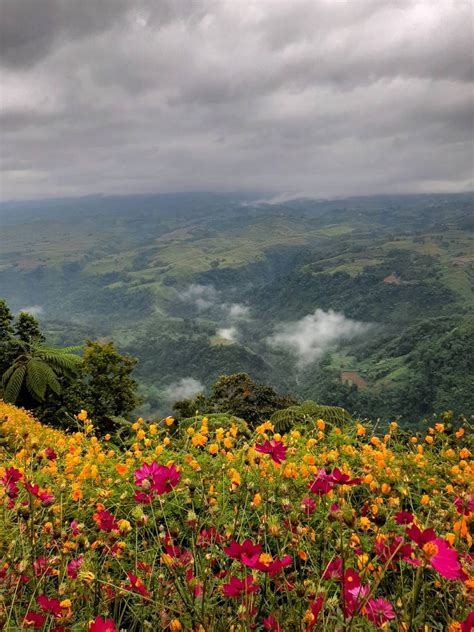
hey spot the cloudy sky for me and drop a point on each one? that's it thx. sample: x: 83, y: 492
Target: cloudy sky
x: 321, y: 97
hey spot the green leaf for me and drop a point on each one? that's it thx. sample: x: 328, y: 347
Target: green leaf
x: 36, y: 380
x: 14, y: 384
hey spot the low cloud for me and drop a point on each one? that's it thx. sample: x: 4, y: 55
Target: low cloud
x: 236, y: 311
x: 34, y: 310
x: 311, y: 336
x: 203, y: 296
x: 183, y: 389
x: 228, y: 333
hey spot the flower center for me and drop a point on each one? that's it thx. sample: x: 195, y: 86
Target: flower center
x: 430, y: 549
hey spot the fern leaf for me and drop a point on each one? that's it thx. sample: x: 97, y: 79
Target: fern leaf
x: 14, y: 384
x: 52, y: 380
x: 36, y: 380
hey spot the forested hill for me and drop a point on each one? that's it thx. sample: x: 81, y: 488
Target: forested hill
x: 366, y: 303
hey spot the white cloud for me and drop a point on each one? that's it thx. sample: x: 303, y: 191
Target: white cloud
x: 228, y: 333
x: 237, y: 311
x: 311, y: 336
x: 34, y: 310
x: 183, y: 389
x: 203, y: 296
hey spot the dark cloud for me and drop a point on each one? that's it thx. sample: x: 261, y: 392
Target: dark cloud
x: 324, y: 97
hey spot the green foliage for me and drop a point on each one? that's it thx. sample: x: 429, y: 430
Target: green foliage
x: 307, y: 412
x: 35, y: 370
x: 27, y: 329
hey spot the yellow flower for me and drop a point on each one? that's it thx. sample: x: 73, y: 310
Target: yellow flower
x: 213, y: 448
x: 234, y: 477
x: 175, y: 625
x: 361, y: 430
x: 198, y: 440
x: 425, y: 499
x: 429, y: 439
x: 320, y: 424
x: 82, y: 416
x: 169, y: 421
x: 257, y: 500
x: 65, y: 603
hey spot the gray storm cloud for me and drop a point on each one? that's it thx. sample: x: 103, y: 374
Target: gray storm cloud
x: 329, y: 98
x: 311, y: 336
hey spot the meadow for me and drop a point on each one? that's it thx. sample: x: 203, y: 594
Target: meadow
x: 207, y: 527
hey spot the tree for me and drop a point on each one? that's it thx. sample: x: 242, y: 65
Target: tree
x: 104, y: 385
x: 6, y: 319
x: 238, y: 395
x: 27, y: 329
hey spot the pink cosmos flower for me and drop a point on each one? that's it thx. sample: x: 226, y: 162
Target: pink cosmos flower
x: 464, y: 505
x: 102, y: 625
x: 105, y: 521
x: 50, y: 606
x: 73, y: 567
x: 180, y: 557
x: 9, y: 480
x: 155, y: 479
x: 324, y: 482
x: 308, y: 506
x: 237, y: 587
x: 438, y: 552
x: 45, y: 497
x: 379, y: 611
x: 275, y: 449
x: 394, y: 551
x: 334, y: 569
x: 247, y: 552
x: 315, y: 607
x: 208, y: 537
x: 275, y: 567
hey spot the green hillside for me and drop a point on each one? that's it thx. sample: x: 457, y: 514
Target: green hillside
x: 162, y: 276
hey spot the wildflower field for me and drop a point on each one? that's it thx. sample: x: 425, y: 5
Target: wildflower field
x: 207, y: 528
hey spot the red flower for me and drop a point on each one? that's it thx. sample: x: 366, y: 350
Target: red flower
x: 136, y: 585
x: 50, y: 454
x: 247, y: 552
x: 237, y: 587
x: 275, y: 449
x: 102, y: 625
x: 9, y: 480
x: 105, y: 521
x: 324, y: 482
x: 340, y: 478
x: 404, y: 517
x: 51, y: 606
x: 315, y: 607
x: 379, y: 611
x: 34, y: 619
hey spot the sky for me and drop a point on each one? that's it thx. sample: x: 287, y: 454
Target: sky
x: 321, y: 97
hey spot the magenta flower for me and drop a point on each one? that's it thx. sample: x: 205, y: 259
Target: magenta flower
x: 464, y: 505
x: 468, y: 624
x: 275, y: 449
x: 334, y: 569
x: 270, y: 623
x: 438, y: 552
x: 155, y: 479
x: 73, y: 567
x: 237, y: 587
x: 50, y: 606
x: 50, y: 454
x: 34, y: 620
x: 105, y: 521
x: 322, y: 483
x: 308, y: 506
x: 102, y: 625
x: 34, y: 489
x: 247, y: 552
x: 404, y: 517
x: 379, y: 611
x: 340, y: 478
x: 208, y: 537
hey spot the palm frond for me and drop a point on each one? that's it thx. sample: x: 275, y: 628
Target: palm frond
x: 36, y: 380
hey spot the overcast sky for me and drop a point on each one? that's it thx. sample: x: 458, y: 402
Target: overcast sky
x: 323, y: 97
